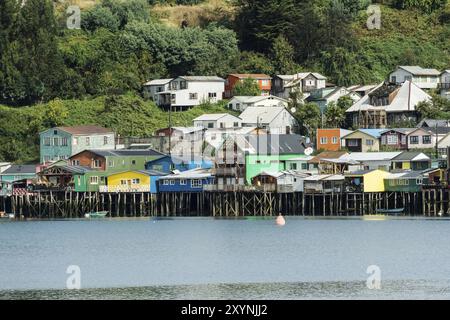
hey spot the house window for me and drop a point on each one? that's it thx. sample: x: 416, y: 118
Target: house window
x: 352, y: 143
x: 408, y: 78
x: 183, y: 85
x: 293, y: 166
x: 133, y: 162
x: 236, y: 124
x: 79, y: 180
x: 419, y: 181
x: 230, y: 106
x: 212, y: 95
x: 47, y: 141
x: 172, y: 182
x: 110, y: 163
x: 265, y: 82
x: 105, y: 140
x: 55, y: 141
x: 183, y: 182
x: 238, y: 106
x: 75, y: 162
x: 304, y: 166
x: 157, y: 167
x: 210, y: 125
x: 96, y: 163
x: 196, y: 183
x: 369, y: 142
x: 136, y: 181
x: 392, y: 140
x: 75, y: 141
x: 394, y: 79
x: 335, y: 140
x: 193, y: 96
x: 414, y: 140
x: 88, y: 141
x: 173, y: 98
x: 222, y: 125
x: 426, y: 139
x: 323, y: 140
x: 166, y: 182
x: 123, y: 182
x: 94, y: 180
x: 64, y: 142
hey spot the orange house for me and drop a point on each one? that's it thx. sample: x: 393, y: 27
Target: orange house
x: 330, y: 139
x: 264, y: 82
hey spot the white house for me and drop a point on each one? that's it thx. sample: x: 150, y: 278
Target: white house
x: 152, y: 88
x: 189, y: 91
x: 275, y: 120
x: 240, y: 103
x: 323, y: 97
x: 444, y: 84
x: 423, y: 78
x: 217, y: 120
x: 305, y: 82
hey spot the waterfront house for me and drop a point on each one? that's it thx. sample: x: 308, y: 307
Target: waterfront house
x: 18, y: 172
x: 331, y: 139
x: 152, y: 88
x: 410, y: 181
x: 281, y: 182
x: 6, y: 188
x: 363, y: 140
x: 421, y: 77
x: 90, y: 180
x: 322, y: 97
x: 305, y: 82
x: 60, y: 143
x: 328, y: 183
x: 186, y: 92
x: 170, y: 163
x: 408, y: 160
x: 274, y: 120
x: 444, y: 85
x: 321, y: 162
x: 132, y: 181
x: 188, y: 181
x: 60, y: 176
x: 114, y: 160
x: 366, y: 181
x: 269, y: 153
x: 263, y: 80
x: 301, y: 164
x: 395, y: 139
x: 217, y: 120
x: 387, y: 105
x: 240, y: 103
x: 370, y: 160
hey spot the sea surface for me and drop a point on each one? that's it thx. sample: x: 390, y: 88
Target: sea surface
x: 225, y: 259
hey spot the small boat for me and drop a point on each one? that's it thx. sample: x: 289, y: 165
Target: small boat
x: 391, y: 212
x: 9, y: 216
x: 280, y: 221
x: 96, y: 215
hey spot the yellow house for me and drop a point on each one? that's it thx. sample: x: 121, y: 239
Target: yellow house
x: 367, y: 181
x: 363, y: 140
x: 132, y: 181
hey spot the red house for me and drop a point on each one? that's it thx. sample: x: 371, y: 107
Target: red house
x: 264, y: 82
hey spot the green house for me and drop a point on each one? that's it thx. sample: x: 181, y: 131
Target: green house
x: 410, y: 181
x: 90, y: 181
x: 272, y: 153
x: 60, y: 143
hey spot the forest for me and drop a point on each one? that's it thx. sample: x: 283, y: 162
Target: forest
x: 51, y: 74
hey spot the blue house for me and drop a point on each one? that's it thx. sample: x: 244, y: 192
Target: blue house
x: 18, y: 172
x: 170, y: 163
x: 187, y: 181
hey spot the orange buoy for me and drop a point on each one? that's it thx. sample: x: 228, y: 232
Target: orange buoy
x: 280, y: 221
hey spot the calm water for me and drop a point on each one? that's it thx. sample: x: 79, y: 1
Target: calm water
x: 225, y: 259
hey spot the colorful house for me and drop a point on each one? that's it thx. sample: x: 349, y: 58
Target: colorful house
x: 132, y: 181
x: 395, y: 139
x: 363, y: 140
x: 90, y: 180
x: 61, y: 143
x: 115, y: 160
x: 330, y: 139
x: 60, y: 176
x: 404, y: 182
x: 366, y: 181
x: 416, y: 161
x: 269, y: 153
x: 187, y: 181
x: 19, y: 172
x: 281, y: 182
x: 264, y: 82
x: 327, y: 183
x: 171, y: 163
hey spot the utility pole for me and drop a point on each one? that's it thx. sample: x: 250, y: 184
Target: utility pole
x: 170, y: 129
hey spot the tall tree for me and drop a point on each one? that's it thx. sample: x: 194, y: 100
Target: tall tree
x: 283, y: 56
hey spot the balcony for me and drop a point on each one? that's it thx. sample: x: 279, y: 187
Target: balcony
x: 444, y: 85
x: 229, y: 172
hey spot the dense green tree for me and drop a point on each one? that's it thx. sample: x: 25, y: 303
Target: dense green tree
x: 252, y: 62
x: 309, y: 117
x: 283, y: 56
x: 334, y: 116
x: 247, y: 87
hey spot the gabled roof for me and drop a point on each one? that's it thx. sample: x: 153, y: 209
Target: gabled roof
x: 375, y: 133
x: 84, y: 130
x: 399, y: 130
x: 202, y: 78
x: 325, y: 177
x: 328, y: 155
x: 255, y: 99
x: 419, y: 71
x: 274, y: 144
x: 158, y: 82
x: 125, y: 153
x: 411, y: 156
x: 433, y: 123
x: 18, y: 169
x: 370, y: 156
x: 262, y: 115
x: 213, y: 116
x: 190, y: 174
x: 258, y: 76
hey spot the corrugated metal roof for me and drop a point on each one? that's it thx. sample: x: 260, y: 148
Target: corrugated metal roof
x: 213, y: 116
x: 370, y: 156
x: 411, y: 156
x: 419, y: 71
x: 261, y: 115
x: 275, y: 144
x: 203, y: 78
x: 158, y: 82
x: 19, y: 169
x: 258, y: 76
x: 86, y: 129
x: 127, y: 152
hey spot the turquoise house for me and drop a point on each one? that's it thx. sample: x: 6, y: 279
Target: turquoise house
x: 18, y: 172
x: 60, y: 143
